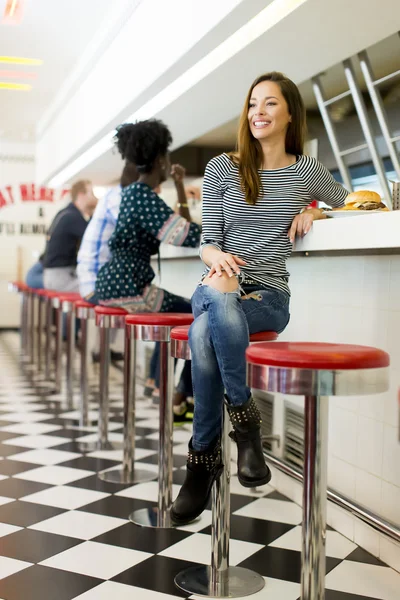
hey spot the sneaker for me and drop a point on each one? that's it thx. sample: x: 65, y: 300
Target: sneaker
x: 116, y: 356
x: 182, y: 414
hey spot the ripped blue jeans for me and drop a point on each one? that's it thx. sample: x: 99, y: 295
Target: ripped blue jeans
x: 218, y: 339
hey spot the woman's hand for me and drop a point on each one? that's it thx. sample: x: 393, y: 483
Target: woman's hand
x: 302, y: 223
x: 226, y: 262
x: 178, y: 173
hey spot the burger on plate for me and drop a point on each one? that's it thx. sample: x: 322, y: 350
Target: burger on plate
x: 364, y: 200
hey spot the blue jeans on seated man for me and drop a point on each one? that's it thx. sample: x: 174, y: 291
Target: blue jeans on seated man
x: 218, y: 339
x: 34, y: 277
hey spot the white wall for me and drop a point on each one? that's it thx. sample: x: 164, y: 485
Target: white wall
x: 356, y: 300
x: 19, y: 252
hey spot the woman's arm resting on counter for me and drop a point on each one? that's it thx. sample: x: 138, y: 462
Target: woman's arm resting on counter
x: 302, y: 223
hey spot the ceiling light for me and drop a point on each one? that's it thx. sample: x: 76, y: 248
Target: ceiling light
x: 13, y: 12
x: 19, y: 60
x: 275, y: 12
x: 17, y: 75
x: 20, y: 87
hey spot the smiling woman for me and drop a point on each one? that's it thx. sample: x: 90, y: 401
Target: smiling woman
x: 254, y: 204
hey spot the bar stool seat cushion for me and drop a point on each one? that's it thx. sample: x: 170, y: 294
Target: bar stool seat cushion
x: 160, y: 319
x: 111, y: 311
x: 68, y: 297
x: 20, y: 286
x: 51, y: 293
x: 317, y: 356
x: 182, y: 333
x: 83, y: 304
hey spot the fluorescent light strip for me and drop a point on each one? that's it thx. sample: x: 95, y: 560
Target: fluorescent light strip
x: 19, y: 60
x: 11, y: 7
x: 17, y: 75
x: 19, y: 87
x: 13, y: 12
x: 276, y: 11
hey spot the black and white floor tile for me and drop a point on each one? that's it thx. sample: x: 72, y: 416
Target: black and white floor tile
x: 65, y: 534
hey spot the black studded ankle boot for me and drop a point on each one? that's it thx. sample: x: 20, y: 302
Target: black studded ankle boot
x: 246, y: 422
x: 203, y: 468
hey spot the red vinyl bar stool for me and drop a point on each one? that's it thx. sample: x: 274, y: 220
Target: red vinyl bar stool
x: 153, y: 327
x: 128, y: 473
x: 84, y: 311
x: 106, y: 318
x: 21, y: 288
x: 218, y: 580
x: 316, y: 371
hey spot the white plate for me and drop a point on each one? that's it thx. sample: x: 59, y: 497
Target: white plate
x: 352, y: 213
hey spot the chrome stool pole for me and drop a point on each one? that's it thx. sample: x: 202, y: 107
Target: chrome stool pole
x: 24, y: 322
x: 128, y: 473
x: 84, y: 311
x: 48, y: 336
x: 220, y: 580
x: 165, y: 455
x: 39, y: 348
x: 316, y: 410
x: 106, y: 319
x: 157, y: 327
x: 159, y: 516
x: 31, y: 332
x: 58, y: 349
x: 69, y: 309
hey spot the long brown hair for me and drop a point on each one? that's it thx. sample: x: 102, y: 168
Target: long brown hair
x: 249, y: 156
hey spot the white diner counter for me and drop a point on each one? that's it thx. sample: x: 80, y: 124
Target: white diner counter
x: 345, y: 283
x: 363, y: 232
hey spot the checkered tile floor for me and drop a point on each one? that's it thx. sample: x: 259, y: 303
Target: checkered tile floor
x: 65, y: 534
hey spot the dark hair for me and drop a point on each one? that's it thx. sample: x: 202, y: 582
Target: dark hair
x: 249, y: 154
x: 143, y: 142
x: 129, y: 175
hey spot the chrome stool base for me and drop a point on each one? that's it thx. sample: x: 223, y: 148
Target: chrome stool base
x: 151, y: 517
x: 97, y: 445
x: 124, y: 476
x: 235, y: 582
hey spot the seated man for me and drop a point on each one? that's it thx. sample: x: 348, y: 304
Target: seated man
x: 64, y: 238
x: 94, y: 251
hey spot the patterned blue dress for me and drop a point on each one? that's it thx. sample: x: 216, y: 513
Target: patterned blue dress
x: 144, y: 221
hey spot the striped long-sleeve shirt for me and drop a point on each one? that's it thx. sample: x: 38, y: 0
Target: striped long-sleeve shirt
x: 259, y: 233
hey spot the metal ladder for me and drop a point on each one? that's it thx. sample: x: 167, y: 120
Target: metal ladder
x: 355, y: 92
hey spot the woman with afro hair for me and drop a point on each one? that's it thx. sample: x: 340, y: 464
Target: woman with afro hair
x: 144, y: 222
